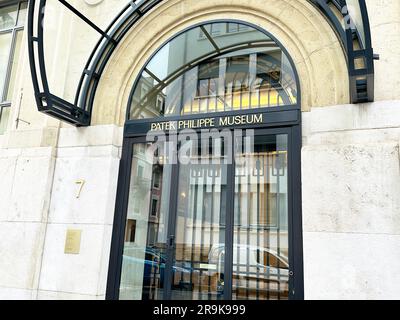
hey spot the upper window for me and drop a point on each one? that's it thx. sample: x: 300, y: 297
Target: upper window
x: 12, y: 21
x: 215, y: 67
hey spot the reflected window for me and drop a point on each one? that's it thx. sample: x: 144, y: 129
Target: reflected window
x: 156, y: 179
x: 208, y: 77
x: 12, y: 20
x: 130, y: 231
x: 261, y: 243
x: 143, y: 263
x: 214, y: 68
x: 154, y: 207
x: 236, y: 27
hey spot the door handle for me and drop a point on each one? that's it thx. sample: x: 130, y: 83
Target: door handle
x: 171, y: 241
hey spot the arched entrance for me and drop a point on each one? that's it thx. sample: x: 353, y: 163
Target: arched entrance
x: 208, y: 204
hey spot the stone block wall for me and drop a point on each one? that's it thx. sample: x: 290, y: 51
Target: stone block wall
x: 351, y: 202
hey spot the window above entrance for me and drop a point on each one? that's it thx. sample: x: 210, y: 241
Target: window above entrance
x: 214, y: 67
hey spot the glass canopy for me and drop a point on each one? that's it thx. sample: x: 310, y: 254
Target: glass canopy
x: 89, y: 35
x: 214, y: 67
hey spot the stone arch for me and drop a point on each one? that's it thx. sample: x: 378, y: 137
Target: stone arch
x: 309, y: 39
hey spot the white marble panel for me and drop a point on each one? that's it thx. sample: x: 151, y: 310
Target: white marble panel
x: 351, y: 266
x: 351, y: 188
x: 74, y: 273
x: 20, y: 251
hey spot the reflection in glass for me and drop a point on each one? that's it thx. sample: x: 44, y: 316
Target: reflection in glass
x: 4, y: 115
x: 190, y: 257
x: 354, y: 10
x: 260, y: 246
x: 198, y: 268
x: 8, y: 16
x: 14, y: 64
x: 23, y: 8
x: 10, y: 44
x: 5, y: 45
x: 144, y: 255
x: 77, y: 42
x: 212, y: 68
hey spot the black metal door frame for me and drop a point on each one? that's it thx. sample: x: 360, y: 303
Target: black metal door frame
x: 296, y: 287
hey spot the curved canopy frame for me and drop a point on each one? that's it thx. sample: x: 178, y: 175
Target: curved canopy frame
x: 349, y: 18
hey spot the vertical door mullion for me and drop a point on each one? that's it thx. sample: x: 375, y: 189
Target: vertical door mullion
x: 290, y: 215
x: 296, y: 289
x: 171, y: 235
x: 121, y: 209
x: 229, y: 223
x: 198, y: 172
x: 278, y: 209
x: 211, y: 227
x: 258, y: 170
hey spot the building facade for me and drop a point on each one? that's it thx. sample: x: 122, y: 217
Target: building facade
x: 202, y: 150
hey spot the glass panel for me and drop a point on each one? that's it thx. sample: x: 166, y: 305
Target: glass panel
x: 22, y: 13
x: 5, y: 114
x: 353, y: 7
x: 198, y: 269
x: 144, y: 255
x: 260, y: 246
x: 55, y: 16
x: 5, y: 45
x: 176, y: 55
x: 78, y: 38
x: 8, y: 16
x: 235, y: 34
x: 213, y: 68
x: 14, y: 57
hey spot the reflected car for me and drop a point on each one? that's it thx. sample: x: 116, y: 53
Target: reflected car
x: 150, y: 266
x: 258, y: 272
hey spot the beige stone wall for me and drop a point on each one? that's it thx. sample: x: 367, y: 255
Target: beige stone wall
x: 384, y: 16
x: 351, y: 203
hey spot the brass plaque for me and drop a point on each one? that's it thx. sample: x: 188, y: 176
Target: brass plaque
x: 73, y: 241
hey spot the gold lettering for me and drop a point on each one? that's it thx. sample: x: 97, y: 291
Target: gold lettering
x: 160, y: 126
x: 223, y: 121
x: 259, y: 118
x: 207, y: 122
x: 183, y: 124
x: 198, y: 123
x: 241, y: 120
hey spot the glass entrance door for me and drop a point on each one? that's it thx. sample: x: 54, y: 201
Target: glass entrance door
x: 198, y: 261
x: 213, y: 226
x: 145, y: 249
x: 260, y: 241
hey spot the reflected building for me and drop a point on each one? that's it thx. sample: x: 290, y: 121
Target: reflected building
x: 234, y: 67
